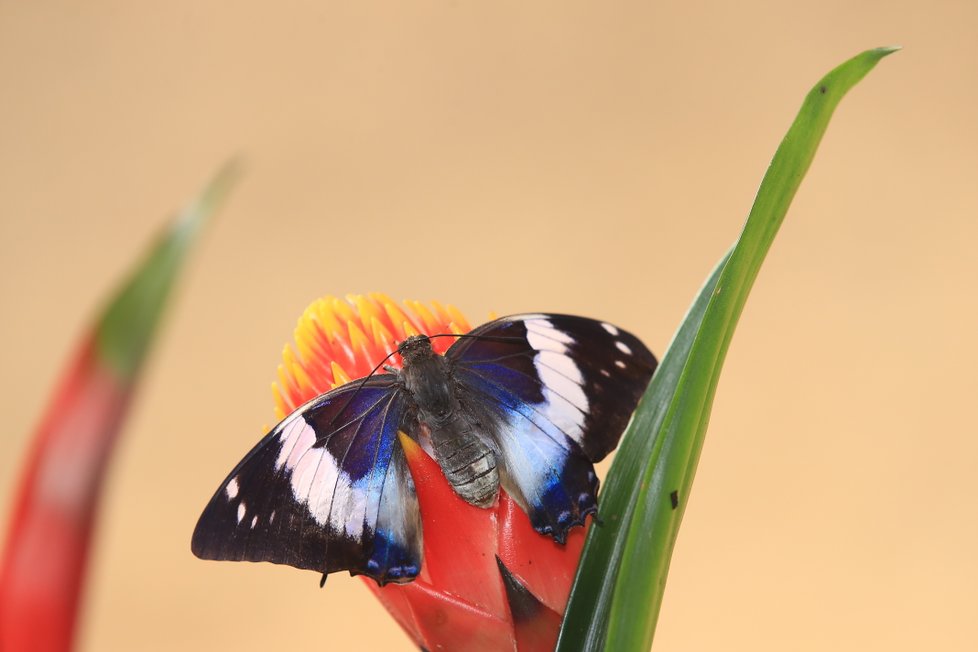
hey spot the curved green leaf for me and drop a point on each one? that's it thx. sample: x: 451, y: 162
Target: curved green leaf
x: 617, y: 594
x: 42, y: 570
x: 126, y: 328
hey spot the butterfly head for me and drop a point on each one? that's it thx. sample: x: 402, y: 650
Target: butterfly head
x: 415, y: 349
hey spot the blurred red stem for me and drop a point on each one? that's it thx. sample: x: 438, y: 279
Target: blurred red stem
x: 44, y: 561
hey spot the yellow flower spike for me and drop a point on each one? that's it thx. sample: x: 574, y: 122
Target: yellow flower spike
x: 286, y: 384
x: 303, y: 381
x: 441, y: 312
x: 429, y: 320
x: 382, y: 337
x: 350, y: 300
x: 328, y: 321
x: 337, y: 340
x: 456, y: 317
x: 281, y: 405
x: 343, y: 309
x: 410, y: 330
x: 366, y: 308
x: 340, y: 377
x: 381, y: 299
x: 360, y: 345
x: 318, y: 340
x: 305, y: 339
x: 307, y: 352
x: 288, y: 357
x: 398, y: 319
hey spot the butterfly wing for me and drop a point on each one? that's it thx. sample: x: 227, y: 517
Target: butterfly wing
x: 327, y: 489
x: 559, y: 390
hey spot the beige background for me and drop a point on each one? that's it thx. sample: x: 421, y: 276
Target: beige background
x: 587, y: 157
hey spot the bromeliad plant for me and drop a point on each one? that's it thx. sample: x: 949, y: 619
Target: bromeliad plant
x: 458, y: 472
x: 44, y: 562
x: 616, y: 593
x: 488, y: 581
x: 485, y: 606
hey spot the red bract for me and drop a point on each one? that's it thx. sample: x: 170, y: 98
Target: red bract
x: 47, y: 544
x: 488, y: 581
x: 44, y: 562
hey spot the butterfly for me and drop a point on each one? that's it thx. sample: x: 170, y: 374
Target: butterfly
x: 527, y: 402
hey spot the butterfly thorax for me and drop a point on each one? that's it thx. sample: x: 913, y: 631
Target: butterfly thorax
x: 467, y: 461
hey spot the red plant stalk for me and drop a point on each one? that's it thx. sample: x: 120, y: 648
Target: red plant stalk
x: 47, y: 543
x: 42, y: 570
x: 488, y: 581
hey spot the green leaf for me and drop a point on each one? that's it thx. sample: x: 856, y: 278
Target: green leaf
x: 126, y: 329
x: 617, y: 594
x: 61, y: 478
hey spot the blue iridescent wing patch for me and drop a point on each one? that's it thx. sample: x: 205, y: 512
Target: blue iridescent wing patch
x: 556, y: 392
x: 327, y: 489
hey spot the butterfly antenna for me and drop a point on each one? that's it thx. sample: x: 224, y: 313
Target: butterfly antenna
x: 476, y: 336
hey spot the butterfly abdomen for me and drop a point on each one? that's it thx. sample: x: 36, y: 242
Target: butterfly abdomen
x: 468, y: 463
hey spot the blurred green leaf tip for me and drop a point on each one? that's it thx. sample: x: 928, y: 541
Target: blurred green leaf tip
x: 126, y: 328
x: 617, y: 594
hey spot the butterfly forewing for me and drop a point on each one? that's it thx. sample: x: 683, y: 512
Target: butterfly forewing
x: 327, y: 489
x: 562, y: 389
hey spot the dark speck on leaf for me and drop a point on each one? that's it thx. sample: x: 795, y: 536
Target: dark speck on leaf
x: 674, y: 499
x: 822, y: 89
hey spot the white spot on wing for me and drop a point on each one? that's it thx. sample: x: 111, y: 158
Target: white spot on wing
x: 349, y: 507
x: 318, y: 483
x: 611, y: 329
x: 297, y: 436
x: 624, y: 348
x: 559, y: 363
x: 232, y: 488
x: 314, y: 475
x: 254, y: 522
x: 620, y: 364
x: 565, y: 404
x: 542, y: 336
x: 241, y: 511
x: 561, y: 376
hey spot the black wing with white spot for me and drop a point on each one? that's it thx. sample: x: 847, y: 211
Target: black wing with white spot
x: 558, y: 392
x: 327, y: 489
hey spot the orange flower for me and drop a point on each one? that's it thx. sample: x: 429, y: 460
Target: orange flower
x: 488, y: 581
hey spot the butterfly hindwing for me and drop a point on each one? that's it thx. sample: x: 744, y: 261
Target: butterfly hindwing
x: 562, y: 389
x: 327, y: 489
